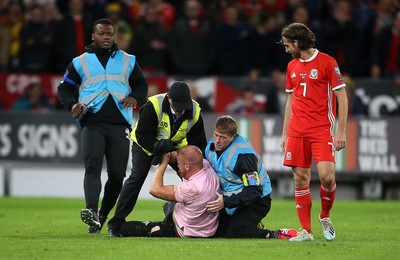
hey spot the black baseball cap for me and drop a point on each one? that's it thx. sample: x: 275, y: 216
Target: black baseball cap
x: 179, y: 93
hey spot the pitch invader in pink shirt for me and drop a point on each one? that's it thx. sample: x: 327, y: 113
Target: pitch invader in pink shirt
x: 189, y: 217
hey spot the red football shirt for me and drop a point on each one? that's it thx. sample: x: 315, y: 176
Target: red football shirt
x: 312, y: 83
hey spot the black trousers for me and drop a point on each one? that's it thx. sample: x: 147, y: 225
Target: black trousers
x: 98, y: 141
x: 243, y: 223
x: 166, y: 228
x: 141, y: 163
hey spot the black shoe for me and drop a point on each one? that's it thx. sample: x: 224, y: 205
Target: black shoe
x: 93, y: 230
x: 97, y: 230
x: 113, y: 233
x: 91, y: 218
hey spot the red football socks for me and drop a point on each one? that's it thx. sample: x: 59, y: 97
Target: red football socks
x: 327, y: 199
x: 303, y: 206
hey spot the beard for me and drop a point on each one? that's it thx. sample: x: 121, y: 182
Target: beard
x: 296, y: 54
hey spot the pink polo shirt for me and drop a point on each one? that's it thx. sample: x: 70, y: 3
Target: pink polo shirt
x: 192, y: 195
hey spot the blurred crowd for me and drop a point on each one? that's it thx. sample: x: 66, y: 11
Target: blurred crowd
x: 194, y: 37
x: 202, y: 37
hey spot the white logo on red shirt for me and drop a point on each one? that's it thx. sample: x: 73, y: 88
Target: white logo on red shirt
x: 314, y: 74
x: 293, y: 75
x: 288, y: 156
x: 337, y: 70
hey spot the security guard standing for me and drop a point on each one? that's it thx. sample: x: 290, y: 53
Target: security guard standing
x: 100, y: 88
x: 170, y: 116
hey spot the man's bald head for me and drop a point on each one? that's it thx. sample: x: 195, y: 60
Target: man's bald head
x: 192, y: 154
x: 190, y: 158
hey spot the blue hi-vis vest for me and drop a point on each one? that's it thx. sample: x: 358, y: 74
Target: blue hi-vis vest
x: 164, y: 124
x: 98, y: 83
x: 231, y: 183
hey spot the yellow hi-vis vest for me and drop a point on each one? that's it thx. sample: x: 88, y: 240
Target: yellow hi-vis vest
x: 164, y: 129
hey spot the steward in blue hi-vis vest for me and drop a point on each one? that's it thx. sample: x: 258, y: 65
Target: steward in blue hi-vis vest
x: 224, y: 165
x: 99, y: 82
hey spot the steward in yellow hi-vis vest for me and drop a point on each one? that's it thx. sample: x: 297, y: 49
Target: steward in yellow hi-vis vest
x: 166, y: 122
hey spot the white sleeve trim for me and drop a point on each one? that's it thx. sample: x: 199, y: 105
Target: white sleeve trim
x: 340, y: 86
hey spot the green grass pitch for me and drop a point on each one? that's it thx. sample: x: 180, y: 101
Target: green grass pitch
x: 50, y: 228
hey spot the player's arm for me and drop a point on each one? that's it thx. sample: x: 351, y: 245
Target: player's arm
x: 340, y: 138
x: 286, y: 118
x: 157, y: 187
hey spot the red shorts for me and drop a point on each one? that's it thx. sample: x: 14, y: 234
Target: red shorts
x: 300, y: 150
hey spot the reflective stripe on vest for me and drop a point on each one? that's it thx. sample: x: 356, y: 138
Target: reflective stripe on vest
x: 230, y: 157
x: 99, y: 82
x: 231, y: 183
x: 164, y: 129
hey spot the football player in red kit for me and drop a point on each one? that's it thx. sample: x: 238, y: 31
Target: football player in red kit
x: 313, y: 82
